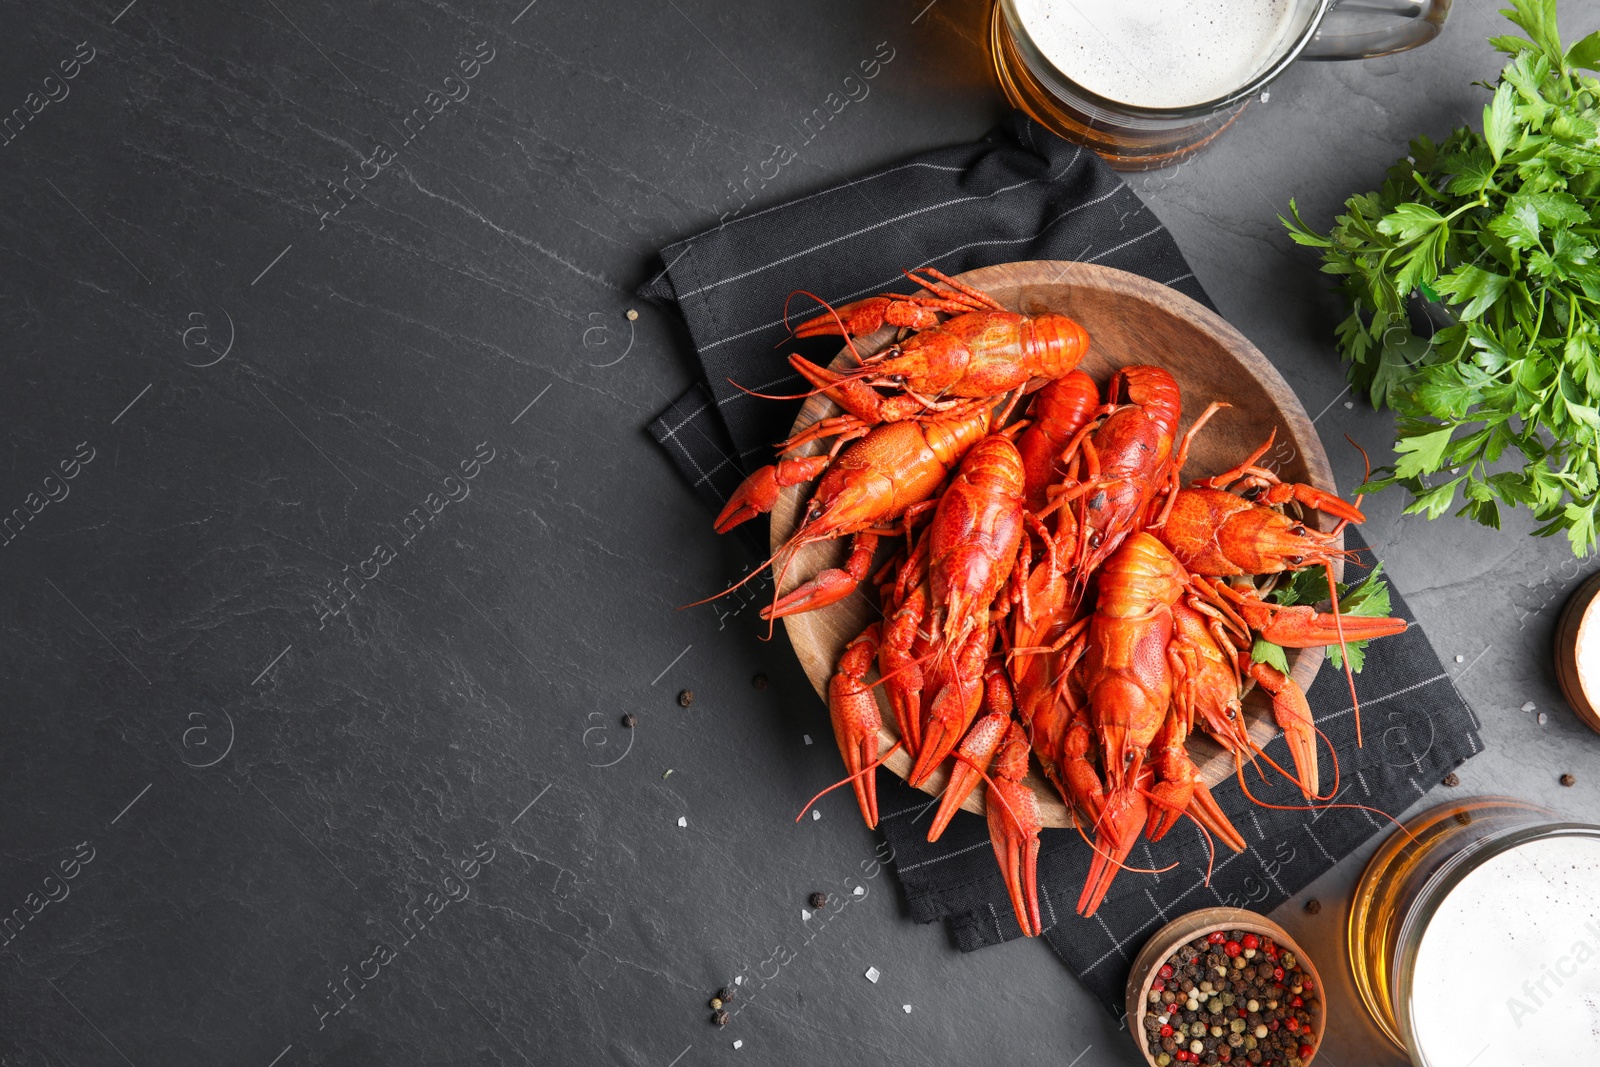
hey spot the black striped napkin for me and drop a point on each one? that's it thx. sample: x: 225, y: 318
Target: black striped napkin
x: 1022, y: 193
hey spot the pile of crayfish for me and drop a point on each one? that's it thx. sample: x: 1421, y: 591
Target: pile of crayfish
x: 1051, y: 586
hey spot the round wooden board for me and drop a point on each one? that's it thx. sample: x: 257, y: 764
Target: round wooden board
x: 1130, y: 319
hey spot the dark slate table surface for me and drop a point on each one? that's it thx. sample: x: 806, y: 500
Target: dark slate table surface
x: 327, y: 802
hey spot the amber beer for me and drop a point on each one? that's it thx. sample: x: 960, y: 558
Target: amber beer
x: 1147, y: 83
x: 1474, y: 936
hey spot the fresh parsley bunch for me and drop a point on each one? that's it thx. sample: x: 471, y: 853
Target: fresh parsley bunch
x: 1500, y: 229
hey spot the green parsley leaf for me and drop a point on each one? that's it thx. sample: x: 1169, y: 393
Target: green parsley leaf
x: 1585, y: 55
x: 1499, y: 121
x: 1264, y: 651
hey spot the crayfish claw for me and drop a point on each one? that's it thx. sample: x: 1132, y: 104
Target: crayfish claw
x: 1082, y: 786
x: 829, y: 586
x: 1014, y: 824
x: 854, y: 712
x: 1302, y: 627
x: 758, y: 493
x: 978, y: 747
x: 1209, y: 814
x: 1116, y: 832
x: 973, y: 757
x: 1293, y: 714
x: 1312, y: 497
x: 864, y: 316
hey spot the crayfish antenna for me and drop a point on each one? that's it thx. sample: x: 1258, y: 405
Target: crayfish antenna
x: 1111, y: 860
x: 800, y: 396
x: 1239, y: 771
x: 850, y: 344
x: 1367, y: 461
x: 1257, y: 754
x: 1211, y: 848
x: 777, y: 588
x: 1344, y: 650
x: 848, y: 780
x: 753, y: 572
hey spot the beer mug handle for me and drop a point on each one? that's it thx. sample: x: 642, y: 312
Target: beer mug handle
x: 1361, y: 29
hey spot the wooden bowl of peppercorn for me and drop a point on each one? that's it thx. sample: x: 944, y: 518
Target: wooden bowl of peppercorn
x: 1190, y: 945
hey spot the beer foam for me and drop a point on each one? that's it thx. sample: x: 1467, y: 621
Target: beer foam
x: 1508, y: 971
x: 1159, y: 53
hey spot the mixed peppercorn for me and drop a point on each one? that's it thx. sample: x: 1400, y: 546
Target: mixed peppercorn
x: 719, y: 1011
x: 1231, y: 997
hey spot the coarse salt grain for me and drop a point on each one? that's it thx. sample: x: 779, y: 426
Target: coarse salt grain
x: 805, y: 916
x: 1461, y: 659
x: 859, y: 891
x: 1349, y: 404
x: 1529, y: 706
x: 906, y: 1008
x: 1543, y: 718
x: 873, y: 974
x: 682, y: 821
x: 815, y: 814
x: 807, y: 737
x: 738, y: 1044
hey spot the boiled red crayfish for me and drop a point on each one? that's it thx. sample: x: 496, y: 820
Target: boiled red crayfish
x: 983, y: 350
x: 1051, y: 588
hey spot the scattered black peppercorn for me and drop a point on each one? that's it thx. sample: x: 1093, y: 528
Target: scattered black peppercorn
x: 818, y: 900
x: 721, y: 1018
x: 1567, y: 779
x: 725, y: 994
x: 630, y: 720
x: 686, y: 697
x: 1450, y: 780
x: 759, y: 681
x: 1313, y: 906
x: 1464, y: 818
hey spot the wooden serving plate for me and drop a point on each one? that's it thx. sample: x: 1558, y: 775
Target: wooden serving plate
x: 1130, y: 319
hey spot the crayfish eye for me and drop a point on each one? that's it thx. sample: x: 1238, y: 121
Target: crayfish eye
x: 1127, y: 758
x: 1095, y: 539
x: 1296, y: 560
x: 1297, y: 529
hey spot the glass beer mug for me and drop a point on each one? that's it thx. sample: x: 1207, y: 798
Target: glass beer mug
x: 1146, y: 83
